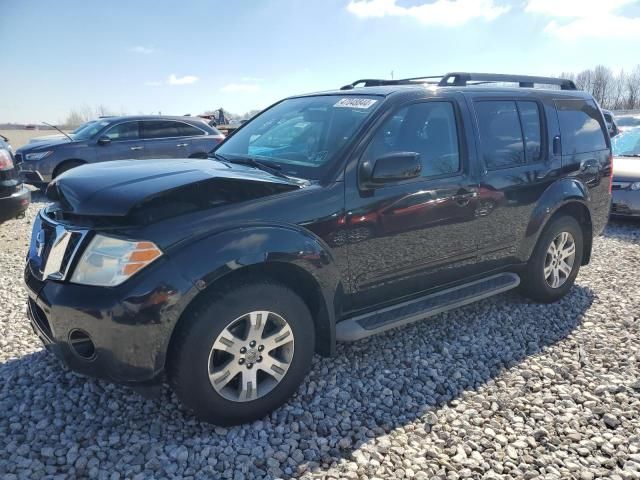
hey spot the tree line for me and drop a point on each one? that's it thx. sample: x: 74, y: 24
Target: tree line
x: 612, y: 90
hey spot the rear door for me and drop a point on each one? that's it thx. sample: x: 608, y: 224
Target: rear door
x: 195, y: 141
x: 125, y: 142
x: 162, y: 139
x: 518, y: 164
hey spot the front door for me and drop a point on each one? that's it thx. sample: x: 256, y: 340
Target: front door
x: 410, y: 236
x: 125, y: 143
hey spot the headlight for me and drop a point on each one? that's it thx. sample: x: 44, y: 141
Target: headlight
x: 37, y: 155
x: 635, y: 186
x: 110, y: 261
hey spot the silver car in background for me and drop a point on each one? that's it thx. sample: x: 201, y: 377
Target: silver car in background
x: 625, y: 186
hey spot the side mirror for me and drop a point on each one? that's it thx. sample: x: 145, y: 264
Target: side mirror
x: 390, y: 168
x: 104, y: 140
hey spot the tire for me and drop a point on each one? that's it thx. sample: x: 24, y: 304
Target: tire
x: 65, y: 166
x: 194, y: 355
x: 536, y: 284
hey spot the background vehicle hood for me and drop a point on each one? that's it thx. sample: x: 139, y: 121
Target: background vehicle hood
x: 626, y: 168
x: 44, y: 144
x: 115, y: 188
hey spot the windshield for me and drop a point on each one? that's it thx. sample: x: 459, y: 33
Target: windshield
x: 84, y: 125
x: 627, y: 143
x: 88, y: 130
x: 301, y: 136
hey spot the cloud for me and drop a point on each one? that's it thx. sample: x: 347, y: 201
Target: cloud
x: 142, y: 50
x: 241, y: 88
x: 449, y: 13
x: 574, y: 19
x: 186, y: 80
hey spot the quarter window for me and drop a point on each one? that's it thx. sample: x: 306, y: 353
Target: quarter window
x: 581, y: 126
x: 426, y: 128
x: 510, y: 133
x: 124, y: 131
x: 185, y: 130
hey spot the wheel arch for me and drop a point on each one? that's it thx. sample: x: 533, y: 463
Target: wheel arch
x: 57, y: 170
x: 567, y: 197
x: 293, y: 257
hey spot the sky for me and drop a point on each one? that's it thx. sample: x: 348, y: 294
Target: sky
x: 188, y: 56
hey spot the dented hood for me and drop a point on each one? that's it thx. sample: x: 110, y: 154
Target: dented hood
x: 115, y: 188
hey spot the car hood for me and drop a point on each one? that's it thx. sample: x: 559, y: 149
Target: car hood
x: 162, y: 187
x: 626, y: 168
x: 44, y: 143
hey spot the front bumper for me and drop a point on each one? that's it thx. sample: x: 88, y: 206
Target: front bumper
x: 129, y: 326
x: 625, y: 203
x: 31, y: 174
x: 14, y: 204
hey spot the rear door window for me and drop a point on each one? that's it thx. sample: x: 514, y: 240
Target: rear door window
x: 581, y: 126
x: 500, y: 134
x: 510, y: 132
x: 160, y: 129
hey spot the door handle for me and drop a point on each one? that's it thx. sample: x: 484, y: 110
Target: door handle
x: 463, y: 197
x: 136, y: 148
x: 182, y: 145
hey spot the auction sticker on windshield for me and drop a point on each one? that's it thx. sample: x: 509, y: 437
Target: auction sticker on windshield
x: 355, y: 102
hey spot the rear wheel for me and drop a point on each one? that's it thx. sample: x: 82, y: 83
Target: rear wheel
x: 242, y: 353
x: 555, y: 262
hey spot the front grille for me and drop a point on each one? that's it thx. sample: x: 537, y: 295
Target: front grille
x: 40, y: 318
x: 17, y: 159
x: 53, y: 247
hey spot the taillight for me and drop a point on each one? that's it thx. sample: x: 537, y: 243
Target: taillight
x: 6, y: 162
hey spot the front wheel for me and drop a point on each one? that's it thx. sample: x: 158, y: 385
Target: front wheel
x: 242, y: 353
x: 555, y: 262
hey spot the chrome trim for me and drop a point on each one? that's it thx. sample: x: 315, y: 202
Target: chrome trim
x: 52, y: 269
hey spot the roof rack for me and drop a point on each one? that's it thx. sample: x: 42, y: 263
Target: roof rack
x: 462, y: 79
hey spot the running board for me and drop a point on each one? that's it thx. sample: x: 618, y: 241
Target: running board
x: 404, y: 313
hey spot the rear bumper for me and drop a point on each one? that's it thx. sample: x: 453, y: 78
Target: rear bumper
x: 625, y: 203
x: 14, y: 204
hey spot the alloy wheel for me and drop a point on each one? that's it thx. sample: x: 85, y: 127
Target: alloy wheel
x: 559, y: 260
x: 251, y: 356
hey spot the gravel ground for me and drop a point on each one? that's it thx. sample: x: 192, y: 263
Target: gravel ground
x: 502, y: 388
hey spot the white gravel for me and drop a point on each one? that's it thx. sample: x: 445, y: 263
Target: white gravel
x: 502, y: 388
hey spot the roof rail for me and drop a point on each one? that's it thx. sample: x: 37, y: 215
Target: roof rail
x: 461, y: 79
x: 377, y: 82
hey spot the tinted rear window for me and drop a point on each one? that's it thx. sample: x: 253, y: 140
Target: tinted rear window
x: 581, y: 125
x: 185, y: 130
x: 160, y: 129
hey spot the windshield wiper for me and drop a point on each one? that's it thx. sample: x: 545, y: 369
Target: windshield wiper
x: 252, y: 162
x: 629, y: 155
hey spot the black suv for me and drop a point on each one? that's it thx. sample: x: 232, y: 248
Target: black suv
x: 328, y: 217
